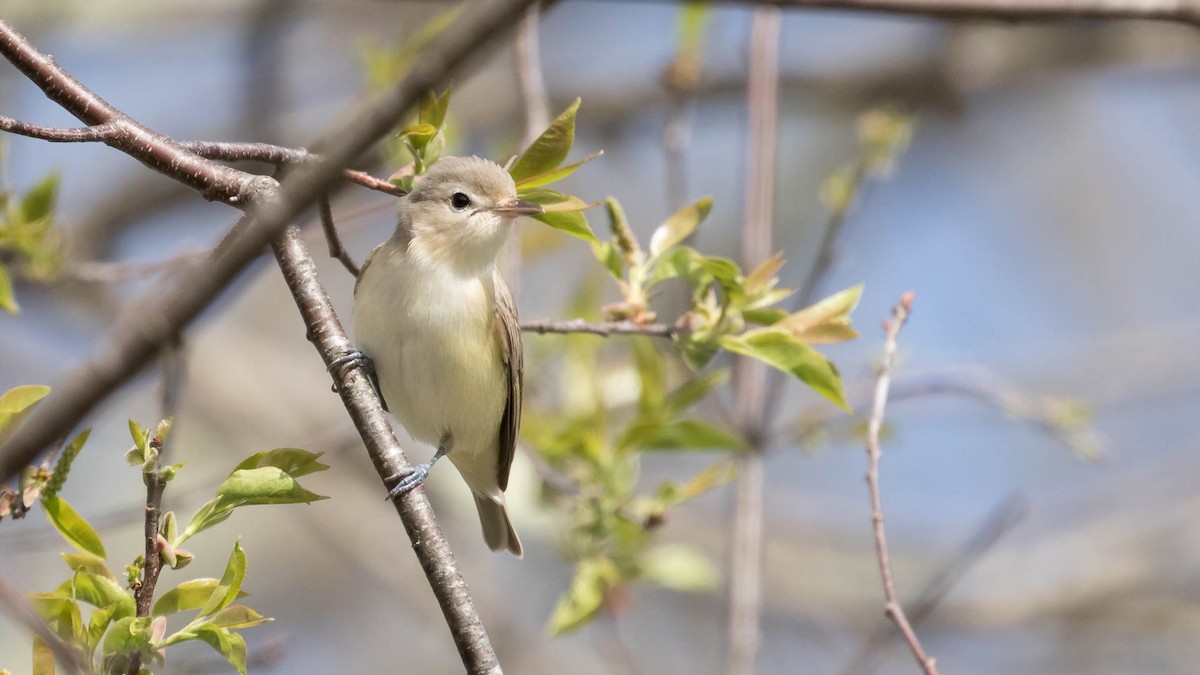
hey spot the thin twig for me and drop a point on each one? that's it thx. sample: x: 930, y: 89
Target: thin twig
x: 1178, y: 11
x: 67, y: 655
x: 98, y: 133
x: 109, y: 272
x: 750, y: 376
x: 336, y: 250
x: 604, y: 329
x: 998, y: 522
x: 892, y: 607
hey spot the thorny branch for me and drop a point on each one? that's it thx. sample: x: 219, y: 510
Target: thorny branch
x: 892, y: 607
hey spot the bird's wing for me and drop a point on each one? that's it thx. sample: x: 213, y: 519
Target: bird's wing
x: 514, y: 363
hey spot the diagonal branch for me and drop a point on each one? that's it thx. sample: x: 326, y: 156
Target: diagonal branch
x: 892, y: 606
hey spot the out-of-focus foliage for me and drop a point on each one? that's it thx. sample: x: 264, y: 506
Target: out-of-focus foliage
x: 112, y: 633
x: 28, y: 239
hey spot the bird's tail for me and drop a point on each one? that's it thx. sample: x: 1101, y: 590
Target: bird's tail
x: 498, y: 530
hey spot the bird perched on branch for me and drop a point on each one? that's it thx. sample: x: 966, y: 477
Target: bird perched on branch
x: 439, y: 324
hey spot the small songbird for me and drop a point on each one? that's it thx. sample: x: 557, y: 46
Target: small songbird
x: 440, y: 325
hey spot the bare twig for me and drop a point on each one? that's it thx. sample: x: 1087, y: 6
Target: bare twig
x: 106, y: 272
x: 336, y: 250
x: 602, y: 329
x: 68, y: 656
x: 750, y: 376
x: 1178, y: 11
x: 98, y: 133
x: 998, y: 523
x: 892, y: 607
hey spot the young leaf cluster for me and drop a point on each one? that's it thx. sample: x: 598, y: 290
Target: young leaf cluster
x: 730, y: 310
x: 28, y: 237
x: 113, y: 633
x: 597, y: 446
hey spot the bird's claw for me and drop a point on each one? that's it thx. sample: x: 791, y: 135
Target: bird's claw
x: 409, y: 479
x: 351, y: 358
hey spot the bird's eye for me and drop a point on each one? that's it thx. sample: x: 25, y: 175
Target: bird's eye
x: 459, y: 200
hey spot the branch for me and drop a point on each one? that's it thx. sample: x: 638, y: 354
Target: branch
x: 745, y: 575
x: 1178, y: 11
x: 270, y: 207
x: 603, y: 329
x: 892, y: 607
x: 336, y: 250
x: 68, y: 656
x: 358, y: 394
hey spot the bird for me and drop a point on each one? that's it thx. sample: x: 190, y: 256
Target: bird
x: 436, y: 321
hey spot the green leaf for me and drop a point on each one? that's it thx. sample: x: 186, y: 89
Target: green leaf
x: 86, y: 562
x: 554, y: 175
x: 763, y: 277
x: 98, y: 622
x: 140, y: 441
x: 679, y: 568
x: 781, y: 350
x: 39, y: 202
x: 8, y: 301
x: 572, y: 222
x: 593, y: 577
x: 61, y: 613
x: 680, y: 435
x: 652, y: 376
x: 825, y: 321
x: 670, y: 495
x: 187, y: 596
x: 100, y: 591
x: 679, y: 226
x: 264, y: 485
x: 694, y: 390
x: 434, y: 107
x: 697, y: 350
x: 214, y: 511
x: 293, y: 461
x: 73, y: 527
x: 607, y: 254
x: 695, y: 267
x: 127, y: 635
x: 550, y: 149
x: 237, y: 617
x: 231, y: 582
x: 228, y: 644
x: 17, y: 403
x: 43, y: 657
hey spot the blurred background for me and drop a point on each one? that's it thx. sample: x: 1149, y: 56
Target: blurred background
x: 1041, y: 478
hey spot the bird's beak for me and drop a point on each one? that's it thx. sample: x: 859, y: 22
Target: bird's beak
x: 518, y: 207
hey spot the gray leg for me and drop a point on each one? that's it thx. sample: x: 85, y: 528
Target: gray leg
x: 415, y: 475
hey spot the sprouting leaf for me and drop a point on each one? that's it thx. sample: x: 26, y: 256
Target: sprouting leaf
x: 236, y: 617
x: 97, y: 624
x: 553, y: 201
x: 679, y: 226
x: 825, y: 321
x: 652, y: 376
x: 73, y: 527
x: 434, y: 107
x: 693, y: 266
x: 17, y: 403
x: 264, y: 485
x: 60, y: 612
x: 763, y: 276
x: 554, y: 175
x: 583, y: 599
x: 189, y: 595
x: 783, y: 351
x: 572, y: 222
x: 231, y: 582
x: 140, y: 441
x: 100, y: 591
x: 128, y: 635
x: 227, y: 643
x: 8, y: 301
x: 86, y: 562
x: 679, y: 568
x: 213, y: 512
x: 672, y: 494
x: 293, y: 461
x: 550, y: 149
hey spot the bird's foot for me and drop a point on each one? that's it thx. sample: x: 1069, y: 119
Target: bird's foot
x: 353, y: 358
x: 409, y: 479
x: 415, y: 475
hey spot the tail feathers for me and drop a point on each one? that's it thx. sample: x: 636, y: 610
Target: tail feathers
x: 498, y: 530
